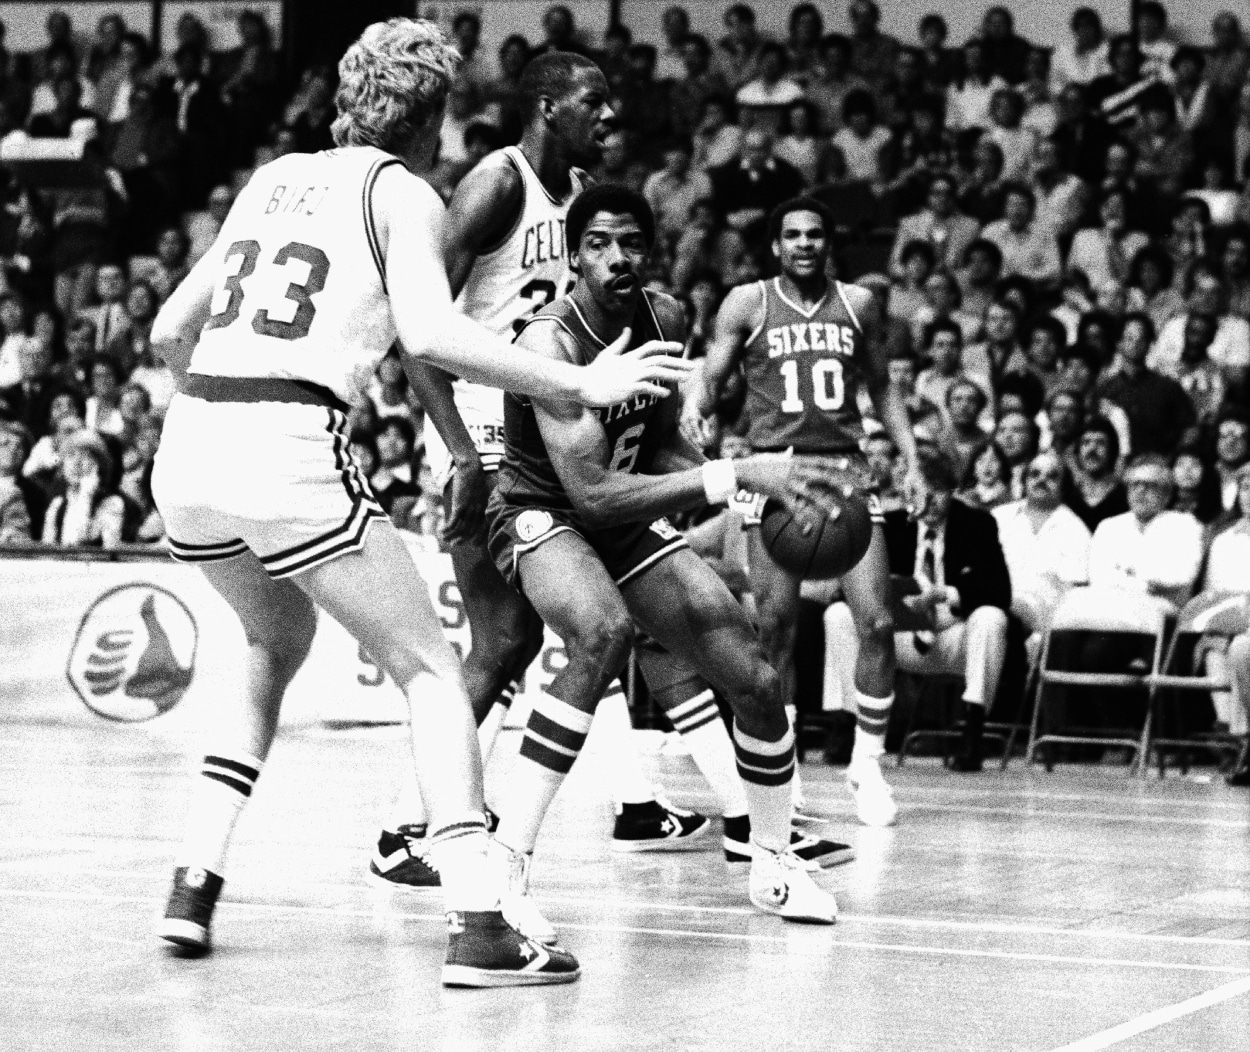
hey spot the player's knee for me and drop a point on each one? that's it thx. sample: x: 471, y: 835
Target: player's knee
x: 605, y: 638
x: 877, y: 629
x: 286, y: 636
x: 759, y: 696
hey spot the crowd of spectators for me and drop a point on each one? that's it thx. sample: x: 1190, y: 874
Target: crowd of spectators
x: 1060, y: 238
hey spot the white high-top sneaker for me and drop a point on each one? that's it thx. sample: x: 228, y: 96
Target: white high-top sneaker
x: 874, y: 800
x: 781, y: 884
x: 518, y: 908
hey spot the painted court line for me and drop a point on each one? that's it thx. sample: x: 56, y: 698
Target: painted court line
x: 1159, y: 1017
x: 683, y: 933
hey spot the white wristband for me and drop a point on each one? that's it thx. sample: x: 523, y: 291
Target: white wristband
x: 720, y: 481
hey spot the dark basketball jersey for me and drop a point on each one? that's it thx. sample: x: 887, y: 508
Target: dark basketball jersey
x: 527, y: 476
x: 804, y: 374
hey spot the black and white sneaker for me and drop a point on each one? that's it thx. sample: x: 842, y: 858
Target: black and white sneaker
x: 658, y: 826
x: 402, y: 859
x: 483, y: 949
x: 816, y: 852
x: 189, y: 912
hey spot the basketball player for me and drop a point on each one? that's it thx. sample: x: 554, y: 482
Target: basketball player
x: 806, y: 345
x: 269, y: 336
x: 574, y: 524
x: 503, y: 242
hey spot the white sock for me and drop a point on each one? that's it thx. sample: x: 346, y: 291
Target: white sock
x: 797, y: 799
x: 872, y: 720
x: 613, y: 732
x: 554, y: 736
x: 766, y: 769
x: 222, y: 788
x: 488, y: 730
x: 702, y: 729
x: 458, y: 851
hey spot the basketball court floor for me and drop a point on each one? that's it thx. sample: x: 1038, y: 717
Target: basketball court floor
x: 1078, y: 910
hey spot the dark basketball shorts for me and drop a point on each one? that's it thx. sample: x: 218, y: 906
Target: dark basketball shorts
x: 626, y: 551
x: 751, y: 505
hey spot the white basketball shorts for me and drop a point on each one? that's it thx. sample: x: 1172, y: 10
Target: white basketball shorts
x: 270, y: 477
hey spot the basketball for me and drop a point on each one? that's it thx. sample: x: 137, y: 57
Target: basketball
x: 829, y: 549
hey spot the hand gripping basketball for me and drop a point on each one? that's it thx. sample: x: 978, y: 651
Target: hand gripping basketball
x: 802, y: 483
x: 617, y: 375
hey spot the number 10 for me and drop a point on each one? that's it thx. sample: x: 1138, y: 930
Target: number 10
x: 826, y: 373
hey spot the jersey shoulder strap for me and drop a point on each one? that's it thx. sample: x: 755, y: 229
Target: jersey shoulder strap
x: 846, y: 303
x: 765, y: 298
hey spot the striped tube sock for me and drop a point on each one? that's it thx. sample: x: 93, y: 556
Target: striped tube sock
x: 458, y: 851
x: 224, y: 784
x: 614, y: 742
x: 766, y: 769
x: 698, y: 722
x: 871, y: 721
x: 488, y: 729
x: 553, y: 737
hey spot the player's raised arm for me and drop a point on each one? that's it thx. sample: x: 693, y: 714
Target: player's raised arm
x: 578, y: 447
x: 409, y: 221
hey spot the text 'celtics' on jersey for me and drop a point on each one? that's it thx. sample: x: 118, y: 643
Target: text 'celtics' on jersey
x: 804, y: 371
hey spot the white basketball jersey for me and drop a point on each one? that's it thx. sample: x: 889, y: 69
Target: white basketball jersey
x: 300, y: 291
x: 508, y: 283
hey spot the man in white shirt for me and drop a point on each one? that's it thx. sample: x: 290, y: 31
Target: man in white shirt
x: 1045, y: 544
x: 1148, y: 550
x: 1028, y: 248
x: 1230, y: 349
x: 940, y: 224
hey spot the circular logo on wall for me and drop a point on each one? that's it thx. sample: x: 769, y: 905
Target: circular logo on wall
x: 533, y: 524
x: 134, y: 655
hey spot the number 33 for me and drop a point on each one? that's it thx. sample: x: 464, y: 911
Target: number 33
x: 299, y: 293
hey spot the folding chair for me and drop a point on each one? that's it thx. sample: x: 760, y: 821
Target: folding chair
x: 942, y: 691
x: 1102, y: 611
x: 1222, y: 614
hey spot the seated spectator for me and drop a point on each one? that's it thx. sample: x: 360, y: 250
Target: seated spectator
x: 907, y: 298
x: 150, y: 373
x: 86, y: 509
x: 1001, y: 341
x: 943, y: 343
x: 1039, y: 357
x: 834, y: 81
x: 1006, y: 52
x: 1228, y: 59
x: 1028, y: 249
x: 388, y: 390
x: 68, y: 118
x: 675, y: 24
x: 944, y: 302
x: 171, y: 267
x: 1061, y: 196
x: 746, y: 191
x: 1007, y: 132
x: 249, y: 74
x: 1078, y: 373
x: 1061, y: 427
x: 1150, y: 274
x: 643, y: 102
x: 983, y: 267
x: 873, y: 53
x: 39, y: 381
x: 15, y: 511
x: 1115, y: 97
x: 738, y: 51
x: 1158, y: 409
x: 1164, y: 149
x: 982, y: 193
x: 925, y: 417
x: 104, y: 403
x: 392, y: 480
x: 1148, y: 549
x: 1156, y: 49
x: 940, y: 64
x: 1198, y: 376
x: 1040, y: 115
x: 763, y: 100
x: 881, y: 456
x: 503, y: 95
x: 109, y: 316
x: 1232, y: 452
x: 717, y: 142
x: 1081, y: 136
x: 1021, y: 393
x: 1193, y: 94
x: 674, y: 189
x: 1230, y: 347
x: 1045, y: 544
x: 939, y: 224
x: 14, y: 338
x: 698, y: 83
x: 968, y: 97
x: 1105, y: 253
x: 1188, y: 241
x: 141, y: 307
x: 1019, y: 437
x: 60, y: 64
x: 986, y: 481
x: 1196, y: 486
x: 707, y: 245
x: 954, y: 556
x: 864, y: 143
x: 1098, y: 492
x: 924, y: 150
x: 802, y: 145
x: 1235, y: 263
x: 1083, y: 59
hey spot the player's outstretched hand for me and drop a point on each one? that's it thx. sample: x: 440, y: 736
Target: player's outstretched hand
x: 699, y: 430
x: 466, y: 517
x: 799, y: 482
x: 617, y: 375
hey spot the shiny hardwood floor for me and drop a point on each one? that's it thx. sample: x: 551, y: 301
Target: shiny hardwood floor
x: 1078, y: 910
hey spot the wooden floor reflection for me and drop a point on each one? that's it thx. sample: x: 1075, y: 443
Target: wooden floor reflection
x: 1077, y: 910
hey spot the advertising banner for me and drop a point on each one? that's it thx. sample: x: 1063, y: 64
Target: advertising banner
x: 135, y: 642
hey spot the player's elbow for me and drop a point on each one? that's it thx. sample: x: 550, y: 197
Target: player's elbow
x: 596, y: 505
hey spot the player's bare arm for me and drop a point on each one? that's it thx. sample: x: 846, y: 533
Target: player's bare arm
x: 740, y: 313
x: 432, y: 330
x: 182, y: 317
x: 886, y: 398
x: 579, y: 451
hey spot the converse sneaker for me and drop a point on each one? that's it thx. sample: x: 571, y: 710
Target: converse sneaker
x: 781, y: 884
x: 189, y: 912
x: 518, y: 908
x: 658, y: 826
x: 874, y: 800
x: 815, y: 852
x: 402, y: 859
x: 483, y: 949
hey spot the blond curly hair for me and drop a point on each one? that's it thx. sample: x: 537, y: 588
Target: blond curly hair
x: 392, y: 83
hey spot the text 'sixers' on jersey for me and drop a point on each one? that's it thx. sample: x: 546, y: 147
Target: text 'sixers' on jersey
x: 804, y: 374
x: 527, y: 475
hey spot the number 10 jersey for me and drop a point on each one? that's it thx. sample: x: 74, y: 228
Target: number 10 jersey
x: 508, y: 283
x: 300, y: 290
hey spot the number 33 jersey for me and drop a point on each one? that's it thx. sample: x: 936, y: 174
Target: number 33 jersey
x: 508, y: 283
x: 299, y: 290
x: 804, y: 373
